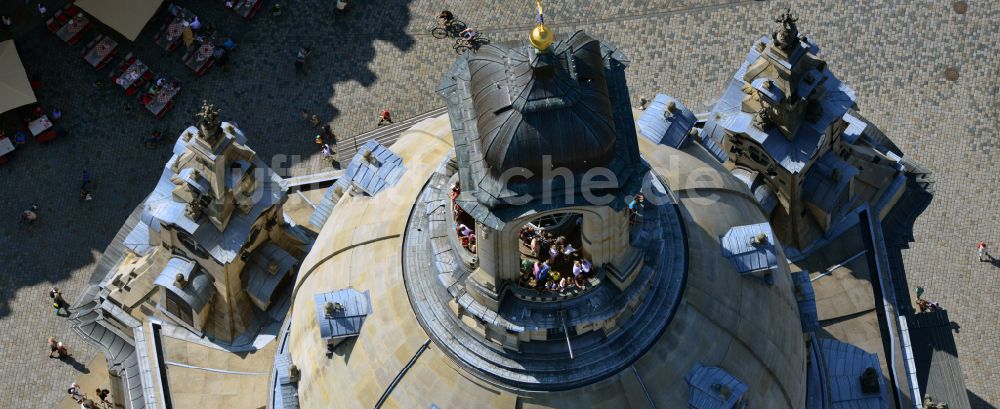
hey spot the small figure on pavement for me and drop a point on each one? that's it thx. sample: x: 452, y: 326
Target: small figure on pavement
x: 58, y: 302
x: 42, y: 10
x: 981, y: 248
x: 384, y: 117
x: 327, y: 153
x: 314, y: 121
x: 30, y: 216
x: 62, y: 350
x: 103, y: 394
x: 53, y: 346
x: 300, y: 58
x: 469, y: 34
x: 154, y: 139
x: 328, y: 134
x: 6, y: 21
x: 85, y: 179
x: 445, y: 18
x: 642, y: 104
x: 76, y: 392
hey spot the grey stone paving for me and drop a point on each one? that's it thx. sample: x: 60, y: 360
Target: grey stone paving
x: 893, y: 53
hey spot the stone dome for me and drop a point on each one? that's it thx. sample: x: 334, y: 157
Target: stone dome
x: 721, y: 319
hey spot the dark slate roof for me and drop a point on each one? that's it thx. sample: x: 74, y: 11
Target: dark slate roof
x: 199, y: 288
x: 671, y: 130
x: 347, y: 322
x: 806, y: 298
x: 713, y: 388
x: 511, y: 108
x: 372, y: 178
x: 710, y: 136
x: 844, y: 365
x: 289, y: 391
x: 822, y: 188
x: 260, y: 281
x: 746, y: 257
x: 939, y: 373
x: 791, y: 154
x: 326, y: 205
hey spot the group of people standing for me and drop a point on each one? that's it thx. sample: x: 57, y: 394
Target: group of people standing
x: 550, y: 260
x: 75, y: 391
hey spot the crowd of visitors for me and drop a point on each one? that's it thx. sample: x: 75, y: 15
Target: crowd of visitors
x: 553, y: 263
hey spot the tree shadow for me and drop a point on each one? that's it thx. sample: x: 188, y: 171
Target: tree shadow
x: 260, y: 91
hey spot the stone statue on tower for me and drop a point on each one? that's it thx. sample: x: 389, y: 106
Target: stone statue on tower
x: 786, y: 37
x: 209, y: 125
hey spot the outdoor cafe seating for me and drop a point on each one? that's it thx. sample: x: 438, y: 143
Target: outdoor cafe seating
x: 157, y: 95
x: 245, y: 8
x: 200, y: 58
x: 100, y: 50
x: 69, y: 24
x: 40, y: 126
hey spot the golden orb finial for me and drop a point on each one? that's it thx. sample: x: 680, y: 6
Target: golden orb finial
x: 541, y: 38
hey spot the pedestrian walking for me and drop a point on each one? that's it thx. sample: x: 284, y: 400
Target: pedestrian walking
x: 328, y: 134
x: 327, y: 153
x: 85, y: 179
x: 384, y: 117
x: 88, y: 404
x: 76, y: 392
x: 30, y: 216
x: 6, y: 22
x: 981, y: 249
x: 315, y: 121
x: 103, y: 394
x: 300, y: 58
x: 42, y: 10
x: 58, y: 302
x: 53, y: 346
x: 305, y: 114
x: 642, y: 104
x: 154, y: 139
x: 62, y: 350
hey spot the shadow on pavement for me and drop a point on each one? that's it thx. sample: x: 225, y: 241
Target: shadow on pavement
x: 260, y: 90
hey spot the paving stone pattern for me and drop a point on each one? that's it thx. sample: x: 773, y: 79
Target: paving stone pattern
x: 380, y: 55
